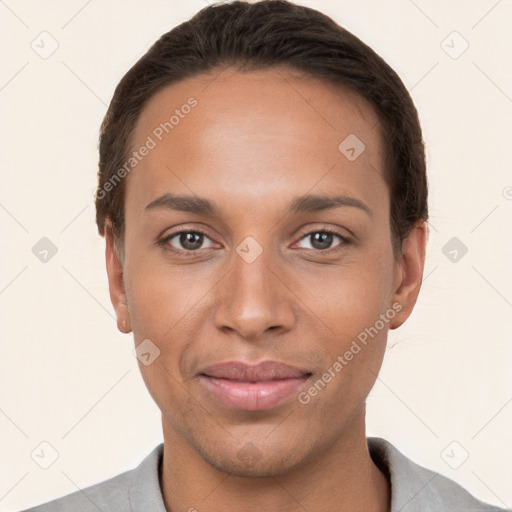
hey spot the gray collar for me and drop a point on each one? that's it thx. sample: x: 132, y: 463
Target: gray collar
x: 413, y: 487
x: 145, y: 490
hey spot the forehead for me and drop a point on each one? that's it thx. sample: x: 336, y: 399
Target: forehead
x: 253, y: 132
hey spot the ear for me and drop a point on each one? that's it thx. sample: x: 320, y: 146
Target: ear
x: 409, y: 272
x: 115, y: 281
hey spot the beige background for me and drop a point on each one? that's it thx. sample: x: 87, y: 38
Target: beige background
x: 69, y: 378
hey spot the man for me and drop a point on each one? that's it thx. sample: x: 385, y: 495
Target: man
x: 263, y: 196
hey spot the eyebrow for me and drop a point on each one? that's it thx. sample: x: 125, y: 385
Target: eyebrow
x: 304, y: 203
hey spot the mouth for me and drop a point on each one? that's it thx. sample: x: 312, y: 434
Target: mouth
x: 253, y: 387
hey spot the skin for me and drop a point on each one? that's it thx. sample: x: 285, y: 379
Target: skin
x: 253, y: 143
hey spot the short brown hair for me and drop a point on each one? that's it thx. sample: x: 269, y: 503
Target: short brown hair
x: 262, y: 35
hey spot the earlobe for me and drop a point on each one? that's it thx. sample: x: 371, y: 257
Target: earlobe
x: 409, y: 272
x: 123, y: 326
x: 116, y: 282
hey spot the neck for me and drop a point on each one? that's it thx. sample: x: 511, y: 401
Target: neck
x: 342, y: 478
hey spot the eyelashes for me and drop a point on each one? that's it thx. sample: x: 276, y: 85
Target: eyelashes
x: 165, y: 241
x: 331, y: 233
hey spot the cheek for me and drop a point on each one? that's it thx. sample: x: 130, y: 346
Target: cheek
x: 161, y: 298
x: 351, y: 297
x: 358, y: 315
x: 354, y: 302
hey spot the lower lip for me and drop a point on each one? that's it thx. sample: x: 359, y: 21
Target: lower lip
x: 253, y: 396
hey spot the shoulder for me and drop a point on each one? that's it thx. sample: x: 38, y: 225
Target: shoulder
x: 112, y: 494
x: 415, y: 488
x: 124, y: 492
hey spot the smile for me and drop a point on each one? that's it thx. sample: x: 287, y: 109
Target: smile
x: 253, y: 388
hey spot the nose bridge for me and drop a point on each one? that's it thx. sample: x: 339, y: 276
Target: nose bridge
x: 253, y: 300
x: 251, y: 271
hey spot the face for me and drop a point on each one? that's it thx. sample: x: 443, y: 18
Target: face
x: 262, y: 265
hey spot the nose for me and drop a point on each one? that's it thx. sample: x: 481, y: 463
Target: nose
x: 254, y: 299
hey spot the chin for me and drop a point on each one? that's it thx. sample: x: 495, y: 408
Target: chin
x: 246, y: 459
x: 267, y: 466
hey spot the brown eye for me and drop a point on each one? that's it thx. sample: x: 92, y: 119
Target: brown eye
x: 186, y: 241
x: 323, y: 240
x: 191, y: 241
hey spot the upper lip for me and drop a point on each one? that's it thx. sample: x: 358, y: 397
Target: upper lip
x: 264, y: 371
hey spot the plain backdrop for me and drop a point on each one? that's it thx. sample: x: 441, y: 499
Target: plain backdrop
x: 69, y: 379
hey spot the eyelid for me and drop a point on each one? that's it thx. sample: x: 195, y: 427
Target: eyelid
x: 345, y: 240
x: 164, y: 241
x: 340, y: 231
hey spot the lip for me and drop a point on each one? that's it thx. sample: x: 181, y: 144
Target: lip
x: 253, y: 387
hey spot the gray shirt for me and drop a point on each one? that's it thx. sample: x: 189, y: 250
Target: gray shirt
x: 413, y: 488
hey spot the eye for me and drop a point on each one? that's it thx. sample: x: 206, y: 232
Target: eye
x: 187, y: 241
x: 322, y: 240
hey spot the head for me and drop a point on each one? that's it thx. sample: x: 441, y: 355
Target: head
x: 302, y: 235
